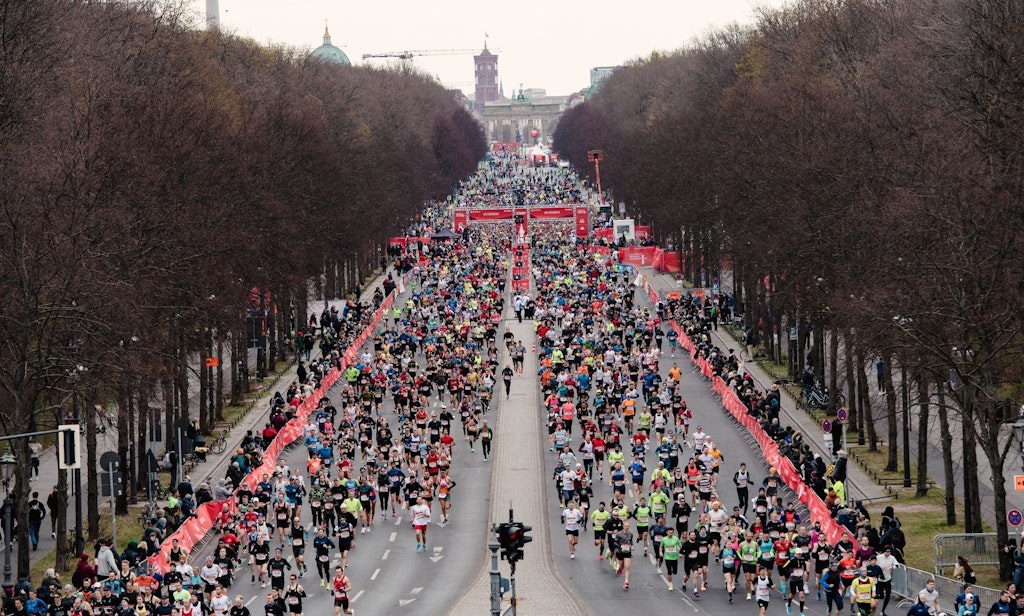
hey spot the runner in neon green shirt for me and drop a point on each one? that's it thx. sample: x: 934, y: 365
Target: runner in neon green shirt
x: 670, y: 552
x: 598, y: 518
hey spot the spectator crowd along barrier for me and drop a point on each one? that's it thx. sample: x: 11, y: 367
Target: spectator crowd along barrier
x: 769, y: 448
x: 206, y: 516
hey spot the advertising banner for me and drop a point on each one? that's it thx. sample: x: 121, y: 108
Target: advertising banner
x: 550, y: 213
x: 638, y: 255
x: 582, y: 222
x: 489, y: 214
x: 460, y: 220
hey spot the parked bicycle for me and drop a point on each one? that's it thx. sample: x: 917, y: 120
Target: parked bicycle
x: 818, y: 397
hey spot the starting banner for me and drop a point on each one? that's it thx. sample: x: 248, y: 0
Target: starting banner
x: 461, y: 219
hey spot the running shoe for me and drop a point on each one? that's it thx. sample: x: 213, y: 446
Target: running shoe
x: 659, y: 570
x: 789, y: 609
x: 696, y: 595
x: 572, y: 556
x: 670, y: 587
x: 625, y: 586
x: 748, y: 596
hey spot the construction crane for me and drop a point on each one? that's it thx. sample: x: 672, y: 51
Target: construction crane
x: 410, y: 54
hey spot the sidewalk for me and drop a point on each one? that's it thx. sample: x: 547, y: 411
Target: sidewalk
x: 211, y: 470
x: 520, y: 478
x: 858, y: 485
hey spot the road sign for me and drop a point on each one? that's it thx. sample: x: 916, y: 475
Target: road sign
x: 1014, y: 517
x: 1018, y: 483
x: 109, y: 461
x: 841, y: 415
x: 105, y: 486
x: 826, y: 426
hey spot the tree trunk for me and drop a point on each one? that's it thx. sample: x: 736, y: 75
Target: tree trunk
x: 922, y: 433
x: 169, y: 393
x: 853, y: 413
x: 272, y: 334
x: 866, y: 411
x: 219, y: 396
x: 140, y: 478
x: 947, y: 454
x: 972, y: 492
x: 64, y: 546
x: 204, y: 424
x: 892, y: 461
x: 237, y: 355
x: 905, y: 401
x: 21, y: 493
x: 833, y: 371
x: 124, y: 410
x: 91, y: 471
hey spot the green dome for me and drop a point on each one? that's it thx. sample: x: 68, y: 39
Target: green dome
x: 330, y: 53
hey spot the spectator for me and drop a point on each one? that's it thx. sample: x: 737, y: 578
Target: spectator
x: 964, y: 572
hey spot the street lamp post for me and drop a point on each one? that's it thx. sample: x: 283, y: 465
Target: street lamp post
x: 596, y: 156
x: 9, y: 462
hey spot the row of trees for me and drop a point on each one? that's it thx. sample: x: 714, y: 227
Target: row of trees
x: 159, y: 184
x: 856, y: 167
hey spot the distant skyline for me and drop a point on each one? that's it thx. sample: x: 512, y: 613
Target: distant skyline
x: 548, y: 45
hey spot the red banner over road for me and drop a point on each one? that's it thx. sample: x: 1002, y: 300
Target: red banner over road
x: 550, y: 213
x: 461, y: 219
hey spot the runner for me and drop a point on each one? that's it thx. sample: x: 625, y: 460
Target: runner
x: 763, y: 586
x: 341, y: 586
x: 571, y: 517
x: 420, y: 517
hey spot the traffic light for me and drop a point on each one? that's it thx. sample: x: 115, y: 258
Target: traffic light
x: 517, y: 538
x: 69, y: 455
x: 503, y: 539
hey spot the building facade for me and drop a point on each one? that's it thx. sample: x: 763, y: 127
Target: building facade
x: 509, y: 120
x: 486, y: 72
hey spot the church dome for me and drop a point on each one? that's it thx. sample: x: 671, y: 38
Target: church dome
x: 330, y: 53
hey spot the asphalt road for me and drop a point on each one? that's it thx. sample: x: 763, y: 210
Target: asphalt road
x: 595, y: 580
x: 388, y: 575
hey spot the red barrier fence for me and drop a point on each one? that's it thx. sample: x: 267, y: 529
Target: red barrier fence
x: 192, y: 531
x: 769, y: 448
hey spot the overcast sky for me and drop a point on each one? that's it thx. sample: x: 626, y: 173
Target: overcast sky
x: 548, y: 44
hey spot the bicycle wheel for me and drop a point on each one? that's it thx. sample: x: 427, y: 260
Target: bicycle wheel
x: 219, y: 445
x: 801, y: 401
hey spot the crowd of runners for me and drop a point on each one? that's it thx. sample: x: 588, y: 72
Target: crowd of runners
x: 631, y: 464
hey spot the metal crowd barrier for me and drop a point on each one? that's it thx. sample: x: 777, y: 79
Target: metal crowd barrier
x: 907, y: 582
x: 977, y: 548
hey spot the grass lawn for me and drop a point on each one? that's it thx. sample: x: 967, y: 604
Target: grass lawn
x: 128, y: 529
x: 922, y: 517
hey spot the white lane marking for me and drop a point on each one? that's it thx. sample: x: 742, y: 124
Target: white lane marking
x: 405, y: 602
x: 687, y: 601
x: 356, y: 598
x: 416, y: 591
x: 393, y: 537
x: 373, y: 576
x: 385, y: 555
x: 398, y: 521
x: 249, y: 602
